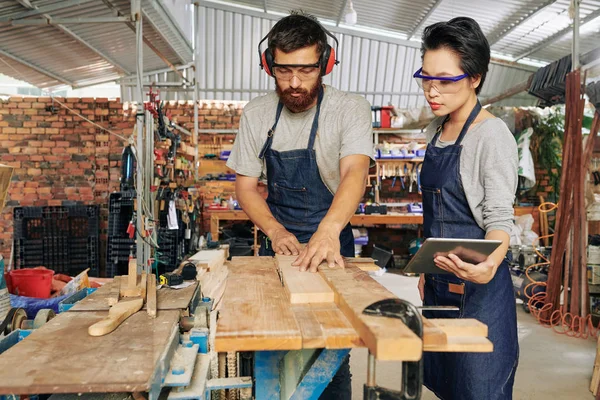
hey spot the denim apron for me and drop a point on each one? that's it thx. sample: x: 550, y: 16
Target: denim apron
x: 299, y: 200
x: 446, y: 214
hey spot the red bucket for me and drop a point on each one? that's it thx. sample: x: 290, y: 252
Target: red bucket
x: 32, y: 282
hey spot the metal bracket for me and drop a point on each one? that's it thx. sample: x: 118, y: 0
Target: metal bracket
x: 412, y: 372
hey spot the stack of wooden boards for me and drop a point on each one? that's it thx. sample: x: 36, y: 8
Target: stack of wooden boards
x: 269, y: 305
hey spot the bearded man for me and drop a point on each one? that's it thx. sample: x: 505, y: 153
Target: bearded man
x: 313, y: 144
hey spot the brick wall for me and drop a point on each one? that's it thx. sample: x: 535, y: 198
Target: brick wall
x: 58, y: 157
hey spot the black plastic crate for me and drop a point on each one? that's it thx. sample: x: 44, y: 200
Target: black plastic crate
x: 170, y: 252
x: 119, y: 245
x: 64, y: 238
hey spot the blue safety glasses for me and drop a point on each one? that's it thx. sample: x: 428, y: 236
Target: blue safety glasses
x: 441, y: 84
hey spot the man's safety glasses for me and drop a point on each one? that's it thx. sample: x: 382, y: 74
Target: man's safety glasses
x: 301, y: 71
x: 441, y: 84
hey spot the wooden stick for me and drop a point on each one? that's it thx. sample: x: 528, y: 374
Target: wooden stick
x: 151, y: 296
x: 116, y: 315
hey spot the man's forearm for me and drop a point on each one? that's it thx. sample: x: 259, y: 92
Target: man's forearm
x: 258, y: 211
x: 346, y: 199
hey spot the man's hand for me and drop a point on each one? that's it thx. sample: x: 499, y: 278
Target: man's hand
x: 284, y: 242
x: 323, y: 245
x: 477, y: 273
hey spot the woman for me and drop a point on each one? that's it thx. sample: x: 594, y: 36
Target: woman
x: 468, y: 181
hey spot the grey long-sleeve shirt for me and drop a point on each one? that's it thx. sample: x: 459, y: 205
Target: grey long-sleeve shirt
x: 488, y: 170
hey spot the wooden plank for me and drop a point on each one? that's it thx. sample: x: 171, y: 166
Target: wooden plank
x: 386, y: 338
x: 303, y: 287
x: 60, y: 357
x: 466, y: 327
x: 114, y: 289
x: 151, y: 300
x: 463, y: 344
x: 432, y: 334
x: 208, y: 259
x: 166, y: 298
x: 256, y: 313
x: 337, y: 330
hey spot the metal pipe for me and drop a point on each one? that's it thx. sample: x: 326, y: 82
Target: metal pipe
x: 136, y: 14
x: 575, y: 57
x: 196, y: 83
x: 371, y: 364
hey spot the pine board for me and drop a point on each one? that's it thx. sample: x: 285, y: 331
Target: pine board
x: 61, y: 357
x: 303, y: 287
x: 255, y: 313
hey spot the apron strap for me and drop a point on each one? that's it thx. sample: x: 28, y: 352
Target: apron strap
x: 469, y: 121
x: 474, y: 113
x: 269, y: 141
x: 315, y: 124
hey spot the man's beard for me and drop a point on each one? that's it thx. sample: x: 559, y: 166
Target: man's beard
x: 301, y: 103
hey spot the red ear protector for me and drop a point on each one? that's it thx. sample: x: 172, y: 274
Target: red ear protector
x: 327, y: 61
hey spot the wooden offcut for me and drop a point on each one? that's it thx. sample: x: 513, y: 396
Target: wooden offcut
x: 303, y: 287
x: 60, y: 357
x: 386, y: 338
x: 208, y: 259
x: 166, y: 298
x: 116, y: 315
x: 151, y: 296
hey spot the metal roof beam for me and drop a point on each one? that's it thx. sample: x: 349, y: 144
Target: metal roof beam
x: 99, y: 52
x: 501, y: 32
x: 424, y: 19
x: 37, y: 68
x: 42, y: 10
x: 557, y: 36
x: 25, y: 3
x: 159, y: 8
x: 81, y: 40
x: 55, y: 21
x: 146, y: 41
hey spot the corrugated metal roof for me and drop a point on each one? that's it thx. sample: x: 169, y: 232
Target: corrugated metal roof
x: 514, y: 27
x: 84, y: 54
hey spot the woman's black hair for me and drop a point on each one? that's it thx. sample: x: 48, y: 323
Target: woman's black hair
x: 464, y: 37
x: 296, y: 31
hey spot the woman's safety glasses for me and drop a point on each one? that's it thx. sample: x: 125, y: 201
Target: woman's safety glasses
x: 301, y: 71
x: 441, y: 84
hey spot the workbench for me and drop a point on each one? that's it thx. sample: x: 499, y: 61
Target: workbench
x: 357, y: 220
x: 61, y: 357
x: 295, y: 347
x: 256, y: 315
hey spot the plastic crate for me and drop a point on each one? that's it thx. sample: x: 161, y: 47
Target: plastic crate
x: 119, y: 245
x: 170, y: 249
x: 64, y: 239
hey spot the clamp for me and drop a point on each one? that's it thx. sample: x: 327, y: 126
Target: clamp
x: 412, y: 371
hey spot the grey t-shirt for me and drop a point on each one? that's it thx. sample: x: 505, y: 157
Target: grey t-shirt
x: 345, y: 128
x: 488, y: 171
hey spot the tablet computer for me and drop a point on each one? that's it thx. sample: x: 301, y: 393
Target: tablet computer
x: 472, y: 251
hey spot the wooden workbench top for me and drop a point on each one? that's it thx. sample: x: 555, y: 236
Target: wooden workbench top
x: 256, y: 314
x: 61, y: 357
